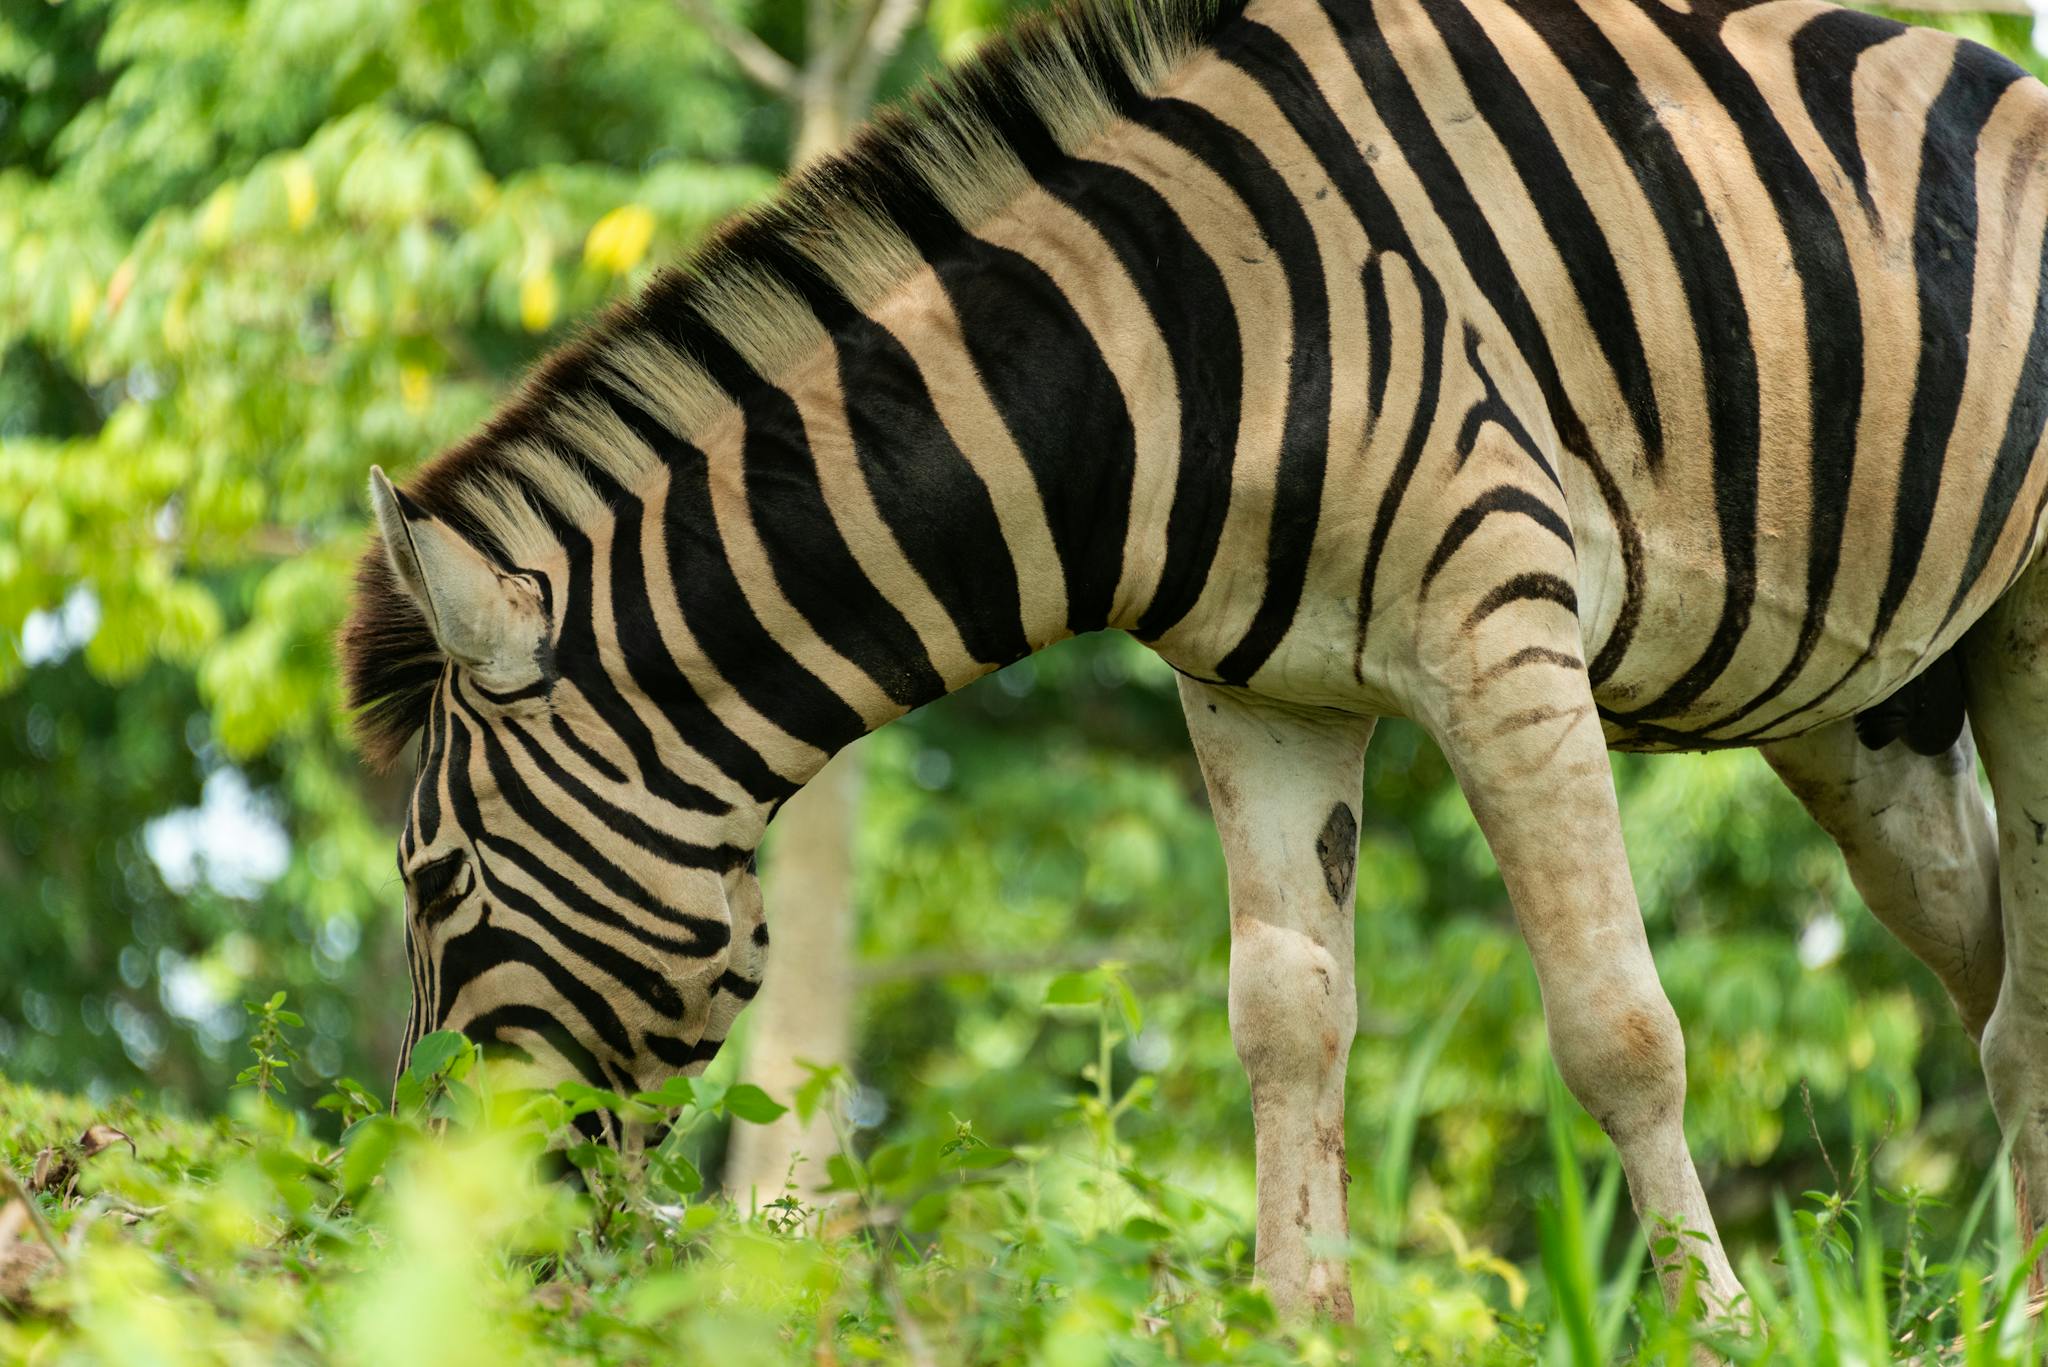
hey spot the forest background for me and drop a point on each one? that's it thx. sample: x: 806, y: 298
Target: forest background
x: 249, y: 249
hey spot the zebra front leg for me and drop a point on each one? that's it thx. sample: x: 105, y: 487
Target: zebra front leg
x: 1918, y: 840
x: 1284, y: 785
x: 1525, y: 742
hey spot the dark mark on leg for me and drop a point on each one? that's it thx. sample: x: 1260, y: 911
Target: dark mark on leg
x: 1337, y: 847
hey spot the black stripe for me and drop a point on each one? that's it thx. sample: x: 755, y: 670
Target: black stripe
x: 1945, y: 259
x: 531, y: 1018
x: 811, y: 561
x: 2024, y: 424
x: 567, y: 735
x: 1267, y: 58
x: 1045, y: 374
x: 1502, y: 498
x: 1567, y: 217
x: 733, y: 983
x: 1305, y: 429
x: 1834, y: 344
x: 1190, y: 305
x: 1379, y: 341
x: 475, y: 952
x: 426, y: 792
x: 1824, y: 56
x: 1719, y: 319
x: 648, y: 662
x: 642, y: 978
x: 1492, y: 408
x: 676, y: 1054
x: 929, y: 495
x: 1533, y: 586
x: 748, y: 657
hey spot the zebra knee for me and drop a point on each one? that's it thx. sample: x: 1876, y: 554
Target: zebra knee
x: 1622, y: 1054
x: 1292, y: 1010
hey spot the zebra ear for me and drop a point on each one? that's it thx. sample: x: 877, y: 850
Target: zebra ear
x: 490, y: 622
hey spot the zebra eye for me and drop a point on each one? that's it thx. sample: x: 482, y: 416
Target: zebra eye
x: 433, y: 886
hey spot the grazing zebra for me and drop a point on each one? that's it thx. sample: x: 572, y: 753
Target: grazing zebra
x: 1663, y: 374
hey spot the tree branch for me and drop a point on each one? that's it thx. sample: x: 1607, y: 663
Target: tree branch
x: 846, y: 39
x: 887, y: 23
x: 762, y: 64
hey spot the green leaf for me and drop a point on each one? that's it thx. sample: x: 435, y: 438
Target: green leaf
x: 349, y: 1095
x: 367, y: 1149
x: 674, y: 1094
x: 1127, y: 1002
x: 675, y: 1172
x: 583, y: 1098
x: 984, y: 1156
x: 1074, y: 989
x: 1144, y: 1230
x: 442, y: 1051
x: 745, y: 1101
x: 840, y: 1174
x: 820, y: 1079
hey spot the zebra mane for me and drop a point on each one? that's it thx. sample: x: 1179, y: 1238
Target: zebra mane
x: 749, y: 304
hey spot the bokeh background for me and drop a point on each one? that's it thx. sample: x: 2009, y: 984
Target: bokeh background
x: 249, y: 248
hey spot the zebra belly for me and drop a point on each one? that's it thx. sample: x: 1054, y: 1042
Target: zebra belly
x: 1904, y: 682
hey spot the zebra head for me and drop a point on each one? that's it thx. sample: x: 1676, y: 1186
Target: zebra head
x: 571, y: 902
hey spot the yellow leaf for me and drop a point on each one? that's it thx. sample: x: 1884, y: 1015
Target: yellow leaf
x: 539, y: 297
x: 85, y: 296
x: 415, y: 386
x: 619, y: 240
x: 118, y: 287
x: 301, y: 195
x: 217, y: 217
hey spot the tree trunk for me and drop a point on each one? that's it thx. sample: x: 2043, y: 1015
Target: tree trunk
x: 821, y: 127
x: 805, y: 1008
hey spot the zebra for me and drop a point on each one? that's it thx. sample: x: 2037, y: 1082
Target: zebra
x: 1563, y: 375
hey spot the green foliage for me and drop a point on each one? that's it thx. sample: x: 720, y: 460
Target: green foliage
x: 430, y: 1231
x: 274, y: 1053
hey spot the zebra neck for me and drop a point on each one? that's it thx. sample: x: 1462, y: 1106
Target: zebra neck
x: 980, y: 465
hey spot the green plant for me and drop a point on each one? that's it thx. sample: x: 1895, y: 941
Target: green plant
x: 274, y: 1053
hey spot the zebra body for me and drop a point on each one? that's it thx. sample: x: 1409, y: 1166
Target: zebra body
x: 1624, y: 372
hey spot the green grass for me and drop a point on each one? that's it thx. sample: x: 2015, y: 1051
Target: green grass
x: 431, y: 1235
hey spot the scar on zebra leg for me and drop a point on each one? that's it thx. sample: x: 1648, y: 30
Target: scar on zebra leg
x: 1284, y: 784
x: 2008, y: 705
x: 1917, y: 836
x: 1534, y: 768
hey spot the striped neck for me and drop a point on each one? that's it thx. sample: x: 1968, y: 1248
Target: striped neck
x: 1024, y: 440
